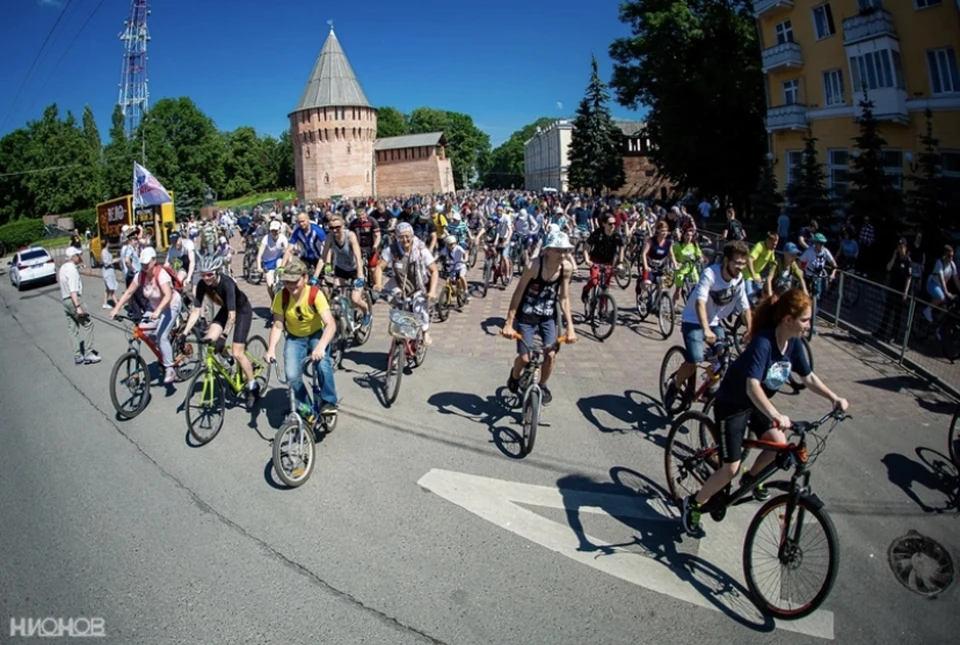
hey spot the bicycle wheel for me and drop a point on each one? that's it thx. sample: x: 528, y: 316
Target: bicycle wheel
x: 578, y: 253
x: 293, y: 453
x: 472, y: 256
x: 794, y: 379
x: 396, y: 360
x: 362, y: 334
x: 337, y: 345
x: 604, y: 317
x: 531, y: 418
x: 672, y: 360
x: 443, y: 304
x: 643, y: 304
x: 256, y: 348
x: 665, y: 315
x: 130, y: 374
x: 420, y: 353
x: 206, y: 406
x: 487, y: 278
x: 737, y: 331
x: 505, y: 279
x: 953, y: 438
x: 187, y: 357
x: 950, y: 337
x: 813, y: 543
x: 623, y: 275
x: 691, y: 454
x: 248, y: 263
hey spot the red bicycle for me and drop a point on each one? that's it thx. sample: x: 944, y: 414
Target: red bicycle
x: 493, y: 269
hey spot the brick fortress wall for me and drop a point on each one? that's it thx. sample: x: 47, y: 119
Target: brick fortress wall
x: 639, y: 183
x: 333, y: 151
x: 413, y: 170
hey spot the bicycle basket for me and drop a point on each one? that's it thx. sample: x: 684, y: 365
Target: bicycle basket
x: 403, y: 325
x: 666, y: 281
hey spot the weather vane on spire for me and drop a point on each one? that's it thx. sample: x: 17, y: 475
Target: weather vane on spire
x: 330, y: 22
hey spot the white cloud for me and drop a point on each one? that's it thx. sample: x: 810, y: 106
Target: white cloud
x: 559, y: 105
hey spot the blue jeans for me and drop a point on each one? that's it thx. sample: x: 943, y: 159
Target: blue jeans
x: 294, y: 351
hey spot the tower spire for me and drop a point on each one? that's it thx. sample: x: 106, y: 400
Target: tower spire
x: 134, y: 97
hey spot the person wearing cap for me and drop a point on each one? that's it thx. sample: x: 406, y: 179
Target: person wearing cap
x: 818, y: 264
x: 78, y: 320
x: 786, y: 273
x: 182, y: 257
x: 270, y: 255
x: 130, y: 262
x: 415, y: 273
x: 542, y: 293
x: 304, y: 313
x: 458, y: 228
x: 155, y: 284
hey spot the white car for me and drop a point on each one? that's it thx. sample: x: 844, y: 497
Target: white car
x: 31, y: 266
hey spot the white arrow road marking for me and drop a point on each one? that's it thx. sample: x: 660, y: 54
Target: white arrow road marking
x: 497, y: 501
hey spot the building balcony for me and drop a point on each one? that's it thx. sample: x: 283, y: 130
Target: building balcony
x: 782, y: 56
x: 889, y: 104
x: 868, y: 25
x: 770, y: 7
x: 787, y: 117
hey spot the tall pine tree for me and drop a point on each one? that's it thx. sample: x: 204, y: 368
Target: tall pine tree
x: 767, y: 199
x: 807, y: 193
x: 929, y: 200
x: 872, y: 190
x: 596, y: 161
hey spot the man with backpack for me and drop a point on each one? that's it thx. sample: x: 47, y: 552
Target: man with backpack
x: 303, y: 312
x: 161, y: 287
x: 734, y: 231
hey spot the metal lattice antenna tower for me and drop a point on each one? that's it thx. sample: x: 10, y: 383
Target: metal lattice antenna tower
x: 134, y: 96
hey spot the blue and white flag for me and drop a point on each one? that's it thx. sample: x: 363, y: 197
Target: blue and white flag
x: 147, y: 190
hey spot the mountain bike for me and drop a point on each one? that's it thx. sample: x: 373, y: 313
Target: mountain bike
x: 655, y: 297
x: 130, y: 372
x: 452, y: 295
x: 531, y: 396
x: 219, y: 377
x: 349, y: 319
x: 716, y: 360
x: 252, y: 271
x: 406, y: 344
x: 787, y: 521
x: 493, y: 269
x: 600, y: 308
x: 294, y: 443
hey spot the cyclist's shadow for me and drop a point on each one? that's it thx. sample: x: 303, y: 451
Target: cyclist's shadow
x: 659, y: 532
x: 490, y: 412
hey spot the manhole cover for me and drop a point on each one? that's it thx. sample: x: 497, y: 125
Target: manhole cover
x: 920, y: 564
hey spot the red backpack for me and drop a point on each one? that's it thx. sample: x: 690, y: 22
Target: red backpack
x: 177, y: 282
x: 285, y: 298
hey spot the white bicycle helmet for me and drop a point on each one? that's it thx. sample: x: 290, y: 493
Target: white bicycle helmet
x: 450, y: 240
x: 210, y: 264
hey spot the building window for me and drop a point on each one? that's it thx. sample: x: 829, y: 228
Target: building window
x: 791, y: 92
x: 348, y: 147
x: 326, y: 178
x: 950, y: 163
x: 306, y: 152
x: 833, y: 87
x: 893, y: 166
x: 794, y: 160
x: 784, y: 32
x: 943, y: 71
x: 923, y: 4
x: 874, y: 71
x: 838, y: 172
x: 823, y: 21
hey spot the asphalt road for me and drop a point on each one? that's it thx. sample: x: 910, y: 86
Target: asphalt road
x: 418, y: 525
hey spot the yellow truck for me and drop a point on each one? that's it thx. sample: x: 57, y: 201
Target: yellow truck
x: 112, y: 215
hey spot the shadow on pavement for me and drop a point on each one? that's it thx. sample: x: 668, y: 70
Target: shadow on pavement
x: 374, y: 360
x: 897, y: 383
x: 926, y: 481
x: 490, y: 412
x: 657, y: 538
x: 937, y: 406
x: 636, y: 412
x: 492, y: 325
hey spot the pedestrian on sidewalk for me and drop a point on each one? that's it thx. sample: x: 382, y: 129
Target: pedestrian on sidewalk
x: 78, y: 320
x: 109, y: 271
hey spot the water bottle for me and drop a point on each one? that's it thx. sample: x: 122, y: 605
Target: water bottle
x: 306, y: 412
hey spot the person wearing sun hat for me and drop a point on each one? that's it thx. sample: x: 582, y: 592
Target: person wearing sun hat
x: 78, y: 320
x: 541, y: 294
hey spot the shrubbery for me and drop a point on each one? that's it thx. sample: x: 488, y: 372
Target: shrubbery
x: 21, y: 232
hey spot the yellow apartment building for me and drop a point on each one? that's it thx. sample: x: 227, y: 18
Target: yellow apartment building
x: 819, y: 56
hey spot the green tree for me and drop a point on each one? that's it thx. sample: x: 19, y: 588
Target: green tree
x: 505, y: 166
x: 807, y: 194
x: 57, y: 147
x: 391, y: 123
x: 767, y: 199
x: 696, y: 65
x: 286, y: 173
x: 16, y: 201
x: 872, y: 192
x: 119, y: 156
x: 244, y: 163
x: 933, y: 196
x: 596, y: 161
x: 91, y: 134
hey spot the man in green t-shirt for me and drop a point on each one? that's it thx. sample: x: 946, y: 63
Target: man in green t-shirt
x: 762, y: 255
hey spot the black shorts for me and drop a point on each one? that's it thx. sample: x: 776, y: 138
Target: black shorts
x: 344, y: 274
x: 732, y: 426
x: 241, y: 330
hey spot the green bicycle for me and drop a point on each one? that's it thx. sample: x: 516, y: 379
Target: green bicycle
x: 206, y: 398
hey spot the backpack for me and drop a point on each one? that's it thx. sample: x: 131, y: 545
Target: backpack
x: 736, y: 228
x: 285, y: 299
x: 174, y: 278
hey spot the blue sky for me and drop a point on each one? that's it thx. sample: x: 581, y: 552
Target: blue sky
x: 245, y: 62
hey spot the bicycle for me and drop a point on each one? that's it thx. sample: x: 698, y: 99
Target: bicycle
x: 531, y: 396
x: 600, y: 306
x: 219, y: 376
x: 451, y: 296
x: 252, y: 272
x: 406, y: 344
x: 654, y: 296
x: 293, y: 445
x: 493, y: 269
x: 787, y: 512
x: 136, y: 377
x: 945, y: 327
x: 349, y: 319
x: 716, y: 360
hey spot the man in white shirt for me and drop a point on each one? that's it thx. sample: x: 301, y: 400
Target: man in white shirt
x: 270, y: 256
x: 78, y: 320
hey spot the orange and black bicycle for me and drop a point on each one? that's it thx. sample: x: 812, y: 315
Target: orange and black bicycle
x: 790, y: 534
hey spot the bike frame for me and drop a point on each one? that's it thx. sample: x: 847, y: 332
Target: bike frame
x: 235, y: 378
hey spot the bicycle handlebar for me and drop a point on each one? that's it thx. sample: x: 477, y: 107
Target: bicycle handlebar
x: 803, y: 427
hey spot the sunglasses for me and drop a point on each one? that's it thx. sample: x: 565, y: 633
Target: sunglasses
x: 335, y: 228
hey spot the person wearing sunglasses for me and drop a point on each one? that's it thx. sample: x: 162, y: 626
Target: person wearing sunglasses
x: 342, y: 250
x: 235, y: 316
x: 304, y: 313
x: 603, y: 247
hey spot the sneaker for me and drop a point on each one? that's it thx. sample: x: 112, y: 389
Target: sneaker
x: 170, y: 375
x: 92, y: 358
x: 253, y: 393
x: 79, y: 360
x: 329, y: 408
x: 366, y: 320
x: 106, y: 307
x: 690, y: 515
x: 760, y: 493
x: 547, y: 397
x: 513, y: 384
x: 670, y: 396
